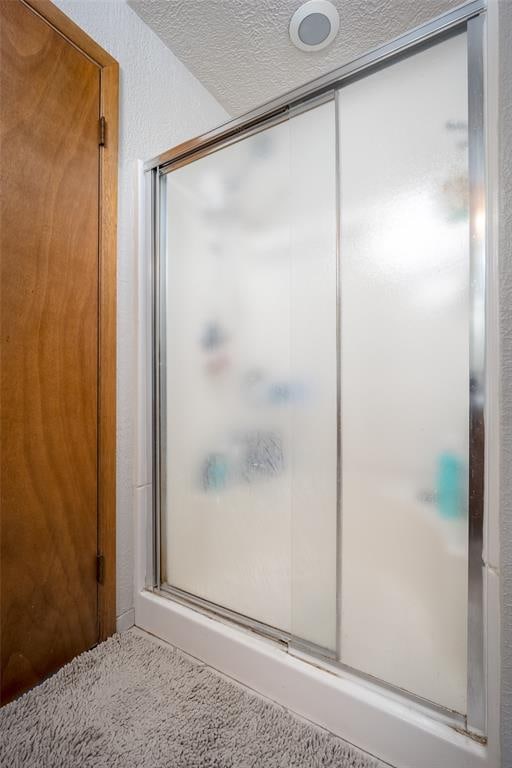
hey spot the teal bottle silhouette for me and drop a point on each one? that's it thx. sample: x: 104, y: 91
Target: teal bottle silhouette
x: 450, y: 488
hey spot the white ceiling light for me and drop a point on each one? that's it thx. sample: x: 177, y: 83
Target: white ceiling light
x: 314, y: 25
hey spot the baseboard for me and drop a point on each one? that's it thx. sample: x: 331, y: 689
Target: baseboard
x: 125, y: 620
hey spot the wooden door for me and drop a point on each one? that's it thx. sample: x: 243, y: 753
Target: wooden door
x: 50, y: 97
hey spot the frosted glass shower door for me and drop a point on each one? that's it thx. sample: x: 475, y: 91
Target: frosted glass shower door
x: 315, y: 375
x: 227, y: 518
x: 248, y: 377
x: 405, y: 320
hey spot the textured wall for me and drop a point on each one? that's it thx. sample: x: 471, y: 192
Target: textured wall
x: 505, y: 257
x: 241, y: 50
x: 161, y: 104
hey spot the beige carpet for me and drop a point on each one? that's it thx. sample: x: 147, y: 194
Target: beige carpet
x: 135, y: 703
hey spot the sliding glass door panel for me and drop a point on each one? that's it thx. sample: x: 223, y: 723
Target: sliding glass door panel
x: 405, y: 320
x: 249, y: 382
x: 228, y: 473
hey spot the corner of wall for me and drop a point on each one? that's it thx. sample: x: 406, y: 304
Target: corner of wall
x: 504, y: 138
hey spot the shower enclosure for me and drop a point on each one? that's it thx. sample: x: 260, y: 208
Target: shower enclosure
x: 318, y: 370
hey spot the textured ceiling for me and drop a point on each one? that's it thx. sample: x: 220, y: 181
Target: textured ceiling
x: 241, y: 51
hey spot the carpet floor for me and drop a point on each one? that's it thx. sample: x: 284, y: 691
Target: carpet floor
x: 133, y: 702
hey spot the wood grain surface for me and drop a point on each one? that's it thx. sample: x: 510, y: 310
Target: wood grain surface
x: 50, y: 102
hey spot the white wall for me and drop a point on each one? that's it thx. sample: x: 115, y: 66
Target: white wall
x: 505, y: 301
x: 161, y: 104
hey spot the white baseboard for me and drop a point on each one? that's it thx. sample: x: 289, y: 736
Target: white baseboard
x: 125, y: 620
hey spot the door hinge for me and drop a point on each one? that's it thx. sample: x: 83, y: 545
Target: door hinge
x: 100, y: 568
x: 103, y: 131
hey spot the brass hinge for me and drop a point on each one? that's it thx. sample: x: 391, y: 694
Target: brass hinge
x: 103, y: 130
x: 100, y: 568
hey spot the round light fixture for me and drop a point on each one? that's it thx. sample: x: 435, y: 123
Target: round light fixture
x: 314, y: 25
